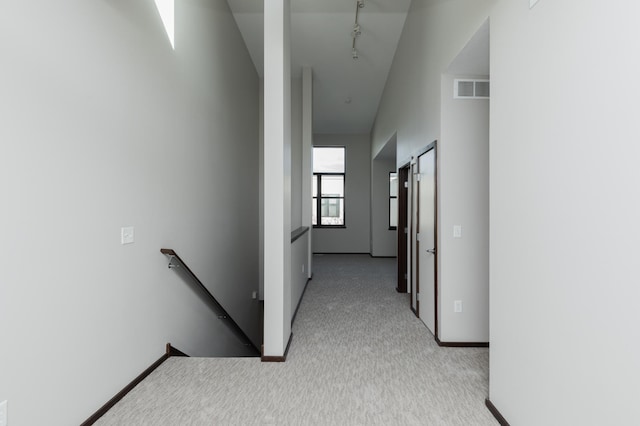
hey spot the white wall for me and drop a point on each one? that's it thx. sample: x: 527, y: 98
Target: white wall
x: 383, y: 240
x: 565, y: 341
x: 434, y: 33
x: 296, y: 153
x: 261, y: 191
x: 104, y: 126
x: 300, y: 247
x: 298, y: 270
x: 307, y: 158
x: 464, y: 201
x: 355, y: 238
x: 413, y: 105
x: 296, y: 166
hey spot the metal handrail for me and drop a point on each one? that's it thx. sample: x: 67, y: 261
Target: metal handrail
x: 175, y: 262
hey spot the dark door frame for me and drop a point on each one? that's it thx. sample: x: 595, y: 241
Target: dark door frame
x: 403, y: 227
x: 414, y: 246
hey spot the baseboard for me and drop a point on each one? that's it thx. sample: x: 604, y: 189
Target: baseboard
x: 462, y: 344
x: 170, y: 352
x: 283, y: 358
x: 295, y: 314
x: 492, y: 408
x: 382, y: 257
x: 415, y: 312
x: 321, y: 253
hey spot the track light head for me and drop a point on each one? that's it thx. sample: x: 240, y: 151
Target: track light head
x: 356, y: 31
x: 360, y: 3
x: 354, y: 53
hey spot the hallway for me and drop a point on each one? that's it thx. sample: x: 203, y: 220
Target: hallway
x: 358, y: 356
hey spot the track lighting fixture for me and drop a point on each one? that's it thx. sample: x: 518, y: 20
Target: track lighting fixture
x: 356, y: 32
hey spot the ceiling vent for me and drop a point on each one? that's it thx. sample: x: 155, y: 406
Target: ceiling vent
x: 471, y: 89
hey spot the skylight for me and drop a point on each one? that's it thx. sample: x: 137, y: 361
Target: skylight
x: 166, y: 9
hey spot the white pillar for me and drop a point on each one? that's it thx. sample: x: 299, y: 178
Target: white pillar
x: 261, y: 193
x: 277, y: 177
x: 307, y: 158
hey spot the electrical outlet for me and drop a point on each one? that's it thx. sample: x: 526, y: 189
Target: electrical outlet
x: 126, y: 235
x: 457, y: 231
x: 3, y: 413
x: 254, y: 295
x: 457, y: 306
x: 303, y: 268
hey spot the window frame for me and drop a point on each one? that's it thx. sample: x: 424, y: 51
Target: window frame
x: 317, y: 200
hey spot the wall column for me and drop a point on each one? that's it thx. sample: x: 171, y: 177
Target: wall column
x: 277, y: 177
x: 307, y: 157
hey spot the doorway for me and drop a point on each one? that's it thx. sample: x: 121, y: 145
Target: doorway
x: 423, y: 241
x: 403, y: 228
x: 422, y: 245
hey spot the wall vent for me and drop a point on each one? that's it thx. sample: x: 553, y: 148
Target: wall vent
x: 471, y: 89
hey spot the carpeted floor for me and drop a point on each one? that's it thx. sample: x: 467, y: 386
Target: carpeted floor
x: 358, y: 357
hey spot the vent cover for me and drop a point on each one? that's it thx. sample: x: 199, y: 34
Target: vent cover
x: 471, y: 89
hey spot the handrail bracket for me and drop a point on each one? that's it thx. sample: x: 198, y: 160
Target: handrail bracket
x: 171, y: 264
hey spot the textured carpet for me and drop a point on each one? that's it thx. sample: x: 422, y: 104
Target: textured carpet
x: 358, y: 357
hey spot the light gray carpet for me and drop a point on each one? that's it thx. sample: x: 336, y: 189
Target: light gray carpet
x: 359, y: 357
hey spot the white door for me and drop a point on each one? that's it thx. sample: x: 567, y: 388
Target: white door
x: 426, y: 247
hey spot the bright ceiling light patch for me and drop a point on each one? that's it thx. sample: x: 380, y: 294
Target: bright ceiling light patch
x: 166, y: 9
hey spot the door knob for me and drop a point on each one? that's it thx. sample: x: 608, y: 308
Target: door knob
x: 432, y: 251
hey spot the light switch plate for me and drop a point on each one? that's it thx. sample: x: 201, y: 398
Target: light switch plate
x: 126, y: 235
x: 457, y: 306
x: 3, y: 413
x: 457, y: 231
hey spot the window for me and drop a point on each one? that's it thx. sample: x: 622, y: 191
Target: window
x: 393, y: 200
x: 328, y: 187
x: 166, y: 8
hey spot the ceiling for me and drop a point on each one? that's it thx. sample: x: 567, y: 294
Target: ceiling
x: 346, y: 91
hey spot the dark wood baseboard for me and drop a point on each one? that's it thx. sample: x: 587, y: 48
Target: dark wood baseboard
x: 462, y: 344
x: 382, y: 257
x: 170, y: 352
x: 323, y: 253
x: 492, y: 408
x: 283, y: 358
